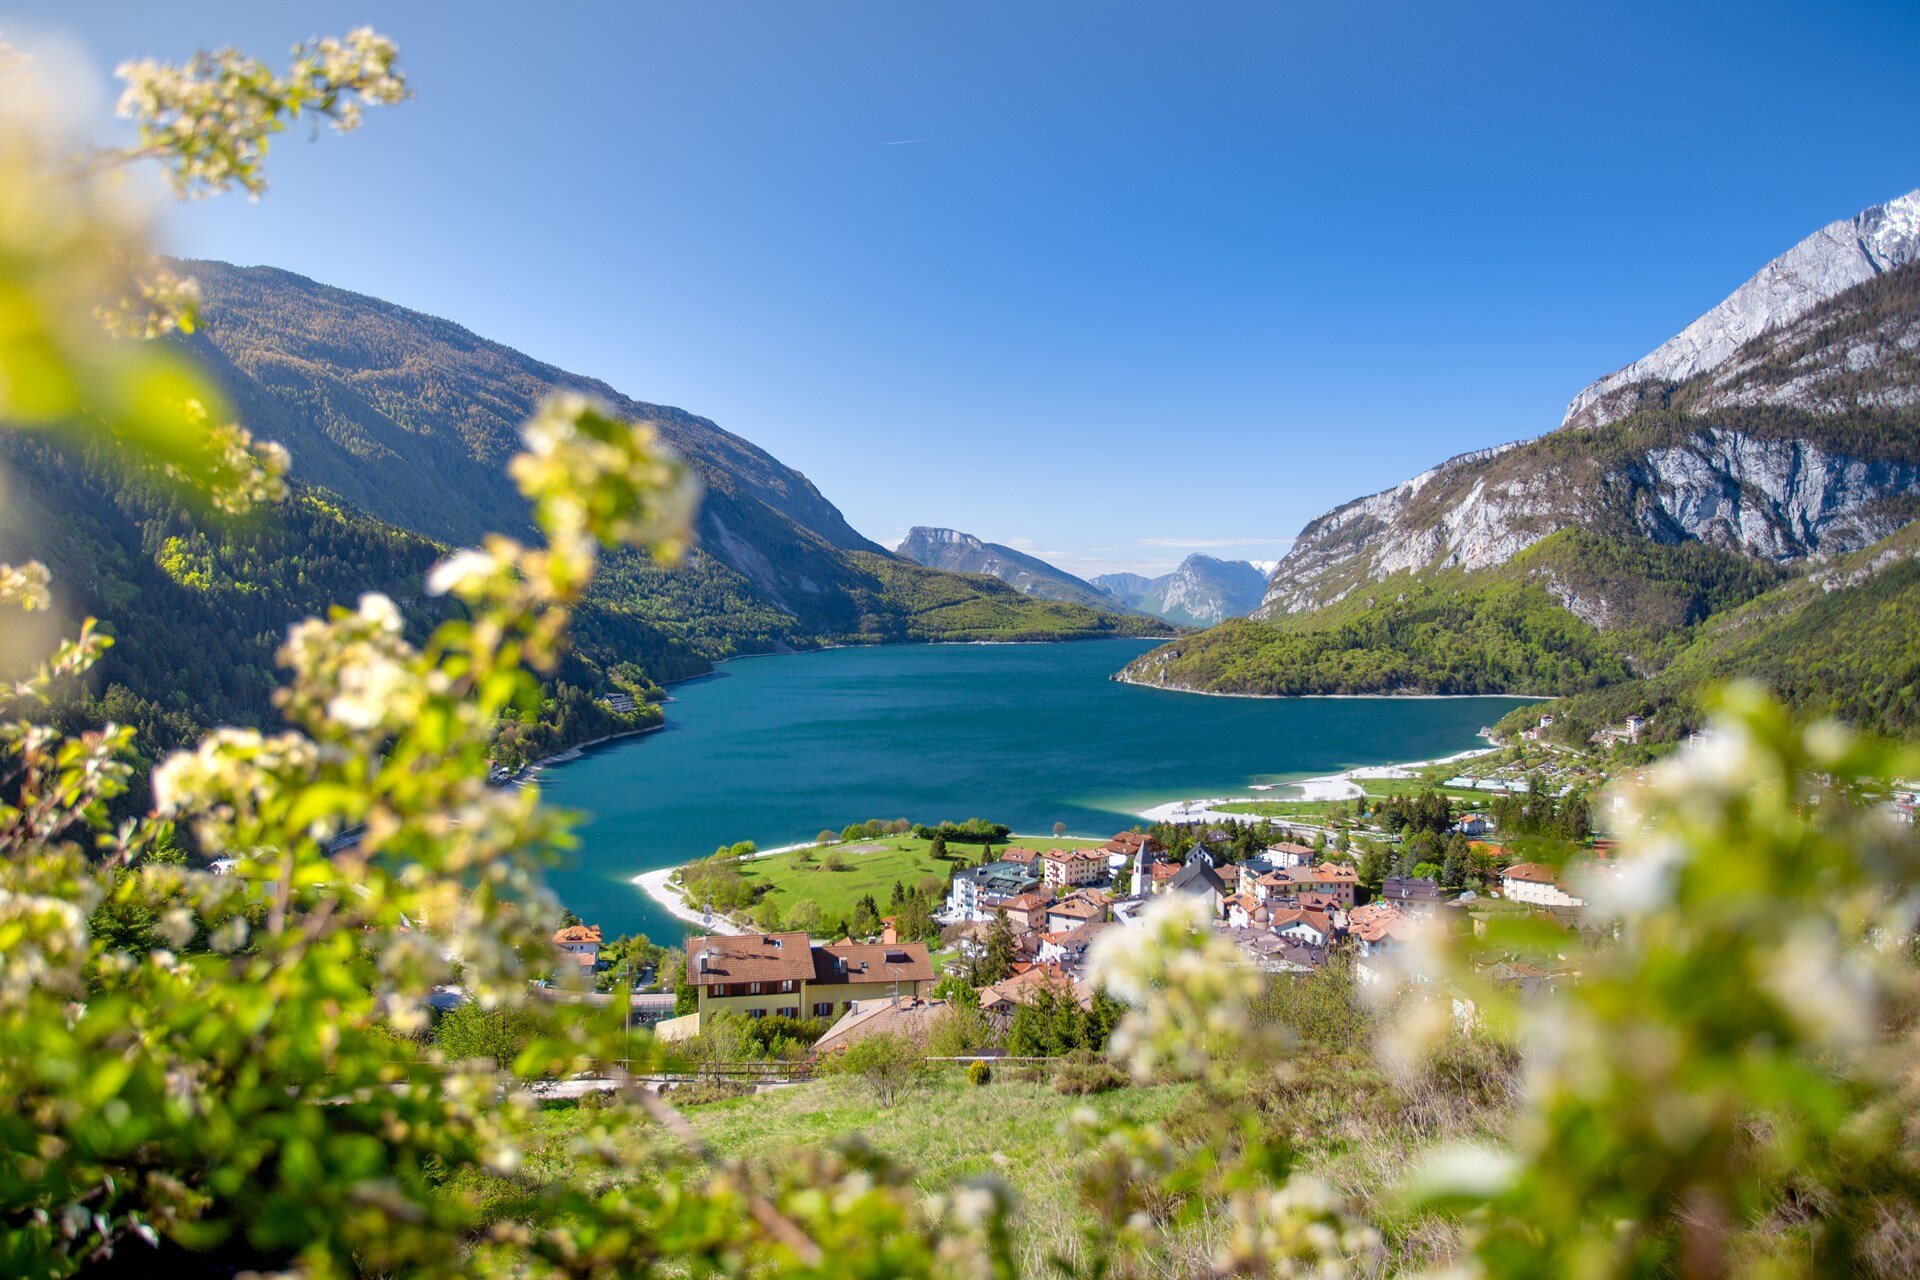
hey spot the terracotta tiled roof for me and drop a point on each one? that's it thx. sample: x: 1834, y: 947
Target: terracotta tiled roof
x: 1027, y: 902
x: 1022, y: 987
x: 1081, y: 935
x: 1316, y: 919
x: 750, y: 957
x: 1532, y: 873
x: 1379, y: 920
x: 1129, y: 842
x: 577, y: 933
x: 1076, y: 909
x: 870, y: 1017
x: 1325, y: 873
x: 1018, y: 855
x: 1075, y: 855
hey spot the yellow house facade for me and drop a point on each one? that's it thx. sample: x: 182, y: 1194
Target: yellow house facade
x: 788, y: 975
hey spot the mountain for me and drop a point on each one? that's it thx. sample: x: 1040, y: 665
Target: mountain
x: 400, y: 425
x: 1776, y: 436
x: 1199, y: 593
x: 957, y: 552
x: 1124, y: 587
x: 1832, y: 260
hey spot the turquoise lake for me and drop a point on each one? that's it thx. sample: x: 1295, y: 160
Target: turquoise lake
x: 773, y: 749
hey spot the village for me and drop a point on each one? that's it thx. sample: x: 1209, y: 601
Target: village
x: 1346, y: 897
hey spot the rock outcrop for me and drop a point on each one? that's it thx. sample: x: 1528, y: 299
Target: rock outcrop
x: 1202, y: 591
x: 1827, y: 263
x: 1741, y: 433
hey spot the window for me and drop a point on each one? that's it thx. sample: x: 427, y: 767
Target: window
x: 756, y: 1013
x: 791, y: 1011
x: 824, y: 1009
x: 753, y: 988
x: 786, y: 986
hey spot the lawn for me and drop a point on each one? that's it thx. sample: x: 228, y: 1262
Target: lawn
x: 871, y: 866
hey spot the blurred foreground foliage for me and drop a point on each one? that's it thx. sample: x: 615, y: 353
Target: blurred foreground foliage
x: 222, y: 1072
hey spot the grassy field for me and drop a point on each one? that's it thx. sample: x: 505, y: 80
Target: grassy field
x: 947, y: 1132
x: 1347, y: 1122
x: 871, y: 866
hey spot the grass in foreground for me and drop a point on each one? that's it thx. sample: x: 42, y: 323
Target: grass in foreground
x: 1349, y: 1124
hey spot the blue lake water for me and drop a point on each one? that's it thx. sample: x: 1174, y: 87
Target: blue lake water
x: 773, y: 749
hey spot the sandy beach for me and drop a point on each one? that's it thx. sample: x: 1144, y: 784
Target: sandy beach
x: 1333, y: 786
x: 654, y: 885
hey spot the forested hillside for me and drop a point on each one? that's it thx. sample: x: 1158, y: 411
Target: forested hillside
x: 197, y: 604
x: 1842, y: 640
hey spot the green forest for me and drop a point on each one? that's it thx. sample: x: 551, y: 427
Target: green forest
x: 197, y: 604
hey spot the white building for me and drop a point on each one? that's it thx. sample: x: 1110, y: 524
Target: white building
x: 1532, y: 883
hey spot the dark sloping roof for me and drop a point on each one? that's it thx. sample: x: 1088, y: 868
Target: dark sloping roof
x: 844, y: 962
x: 750, y: 957
x: 1197, y: 877
x: 1410, y: 889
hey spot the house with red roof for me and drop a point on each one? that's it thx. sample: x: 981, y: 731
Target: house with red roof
x: 580, y: 943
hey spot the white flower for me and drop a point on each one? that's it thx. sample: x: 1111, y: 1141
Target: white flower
x: 1464, y: 1172
x: 461, y: 570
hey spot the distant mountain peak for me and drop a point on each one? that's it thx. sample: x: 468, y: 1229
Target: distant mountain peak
x: 1202, y: 591
x: 1827, y: 263
x: 958, y: 552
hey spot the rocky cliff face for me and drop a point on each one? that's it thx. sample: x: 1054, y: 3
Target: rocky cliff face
x: 1778, y: 425
x: 1827, y: 263
x: 1202, y: 591
x: 958, y: 552
x: 1766, y: 496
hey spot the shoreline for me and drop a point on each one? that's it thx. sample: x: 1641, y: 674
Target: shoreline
x: 1332, y: 786
x: 656, y: 884
x: 1121, y: 677
x: 674, y: 902
x: 579, y: 749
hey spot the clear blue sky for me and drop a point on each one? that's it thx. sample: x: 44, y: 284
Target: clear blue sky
x: 1139, y: 278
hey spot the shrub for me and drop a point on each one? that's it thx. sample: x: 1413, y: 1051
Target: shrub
x: 979, y: 1074
x: 1085, y: 1072
x: 888, y: 1064
x: 698, y: 1093
x: 469, y: 1033
x: 833, y: 862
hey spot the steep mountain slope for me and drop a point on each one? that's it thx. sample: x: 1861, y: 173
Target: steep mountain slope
x: 1124, y: 587
x: 1594, y: 554
x: 1842, y: 639
x: 411, y: 419
x: 400, y: 425
x: 957, y: 552
x: 1199, y: 593
x: 1827, y: 263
